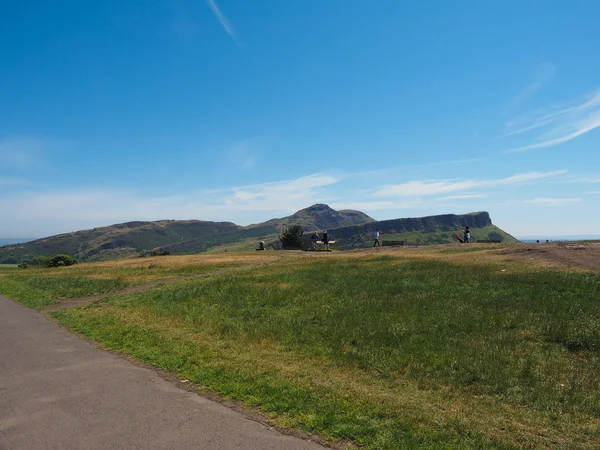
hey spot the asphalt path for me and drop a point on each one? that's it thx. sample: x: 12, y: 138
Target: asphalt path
x: 58, y: 391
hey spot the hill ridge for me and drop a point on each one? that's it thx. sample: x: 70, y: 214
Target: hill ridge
x: 351, y: 228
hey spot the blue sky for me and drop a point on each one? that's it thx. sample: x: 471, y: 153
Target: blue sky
x: 242, y: 111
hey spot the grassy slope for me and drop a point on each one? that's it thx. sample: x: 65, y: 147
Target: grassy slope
x: 123, y: 239
x: 438, y: 349
x: 444, y: 237
x: 38, y: 288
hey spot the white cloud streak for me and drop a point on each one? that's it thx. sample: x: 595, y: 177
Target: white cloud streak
x: 553, y: 201
x: 560, y: 126
x: 212, y: 4
x: 543, y: 75
x: 440, y: 187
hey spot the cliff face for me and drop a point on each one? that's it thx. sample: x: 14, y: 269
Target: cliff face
x: 448, y: 221
x: 422, y: 230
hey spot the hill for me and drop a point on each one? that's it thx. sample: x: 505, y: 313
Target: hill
x: 439, y: 229
x: 175, y: 236
x: 121, y: 239
x: 352, y: 229
x: 318, y: 217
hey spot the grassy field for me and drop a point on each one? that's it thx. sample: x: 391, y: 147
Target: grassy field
x: 39, y: 288
x: 454, y: 348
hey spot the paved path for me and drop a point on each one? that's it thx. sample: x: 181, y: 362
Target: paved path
x: 59, y: 392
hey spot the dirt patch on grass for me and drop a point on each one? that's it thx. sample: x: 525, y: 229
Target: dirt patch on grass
x: 584, y: 256
x: 75, y: 302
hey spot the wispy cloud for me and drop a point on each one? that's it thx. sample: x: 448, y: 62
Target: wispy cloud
x: 243, y: 154
x: 542, y: 76
x: 440, y: 187
x: 37, y: 213
x: 268, y: 197
x: 212, y: 4
x: 560, y: 125
x: 592, y: 193
x: 553, y: 201
x: 463, y: 196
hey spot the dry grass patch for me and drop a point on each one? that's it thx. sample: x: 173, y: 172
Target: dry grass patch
x: 204, y: 259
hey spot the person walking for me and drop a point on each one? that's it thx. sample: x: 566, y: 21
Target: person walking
x: 326, y: 240
x: 376, y: 236
x: 313, y: 241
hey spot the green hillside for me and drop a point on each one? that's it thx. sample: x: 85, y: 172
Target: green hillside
x: 121, y: 240
x: 440, y: 229
x: 174, y: 236
x: 351, y: 229
x: 430, y: 230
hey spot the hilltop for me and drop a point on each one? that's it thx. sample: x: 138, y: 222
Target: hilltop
x: 318, y: 217
x: 352, y: 229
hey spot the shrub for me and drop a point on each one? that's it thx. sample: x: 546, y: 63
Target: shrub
x: 61, y: 261
x: 40, y: 261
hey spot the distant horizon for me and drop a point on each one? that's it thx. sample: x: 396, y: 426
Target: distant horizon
x: 569, y: 237
x: 583, y: 237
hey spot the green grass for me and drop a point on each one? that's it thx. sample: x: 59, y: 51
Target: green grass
x: 39, y: 288
x: 386, y: 352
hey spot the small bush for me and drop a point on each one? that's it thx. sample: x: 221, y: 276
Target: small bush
x: 40, y: 261
x: 61, y: 261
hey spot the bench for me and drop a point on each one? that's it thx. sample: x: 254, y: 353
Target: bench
x: 321, y: 243
x: 488, y: 241
x: 392, y: 243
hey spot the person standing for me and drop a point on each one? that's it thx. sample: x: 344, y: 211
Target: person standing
x: 467, y: 239
x: 326, y: 240
x: 313, y: 240
x: 376, y: 238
